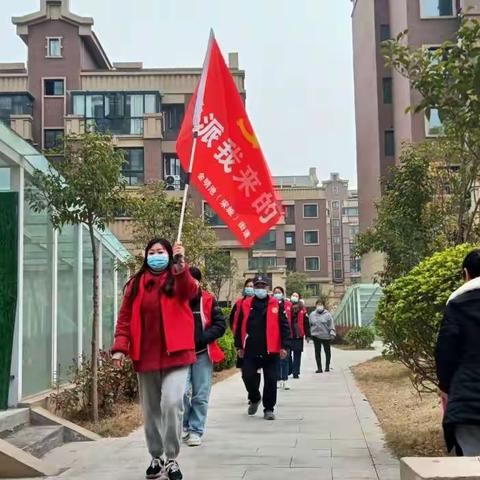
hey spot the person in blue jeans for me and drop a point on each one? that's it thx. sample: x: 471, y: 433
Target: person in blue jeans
x: 209, y: 326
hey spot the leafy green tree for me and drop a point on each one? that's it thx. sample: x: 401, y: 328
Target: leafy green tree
x: 155, y: 213
x: 83, y: 186
x: 296, y: 282
x: 220, y: 268
x: 448, y: 80
x: 416, y: 215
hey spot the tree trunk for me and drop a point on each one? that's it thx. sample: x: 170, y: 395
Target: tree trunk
x: 95, y: 326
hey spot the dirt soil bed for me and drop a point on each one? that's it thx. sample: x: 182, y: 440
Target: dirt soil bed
x: 128, y: 416
x: 412, y: 423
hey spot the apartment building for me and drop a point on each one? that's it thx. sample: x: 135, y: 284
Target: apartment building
x: 316, y: 237
x: 382, y: 95
x: 69, y: 85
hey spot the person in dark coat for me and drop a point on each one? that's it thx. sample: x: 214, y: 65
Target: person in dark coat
x: 261, y: 338
x: 209, y: 326
x: 284, y: 364
x: 457, y: 356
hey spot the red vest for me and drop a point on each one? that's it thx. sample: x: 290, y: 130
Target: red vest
x: 238, y: 308
x: 300, y: 322
x: 214, y: 351
x: 274, y: 342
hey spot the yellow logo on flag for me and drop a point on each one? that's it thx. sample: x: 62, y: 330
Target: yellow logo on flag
x: 249, y: 137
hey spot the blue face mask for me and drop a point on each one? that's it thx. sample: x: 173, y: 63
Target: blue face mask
x: 278, y: 296
x: 249, y: 291
x: 261, y: 293
x: 294, y: 299
x: 158, y: 261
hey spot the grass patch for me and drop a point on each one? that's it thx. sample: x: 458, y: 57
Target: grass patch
x: 412, y: 423
x: 128, y: 417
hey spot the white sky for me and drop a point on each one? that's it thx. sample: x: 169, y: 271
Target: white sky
x: 297, y: 55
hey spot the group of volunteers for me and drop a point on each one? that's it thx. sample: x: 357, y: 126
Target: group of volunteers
x: 169, y: 326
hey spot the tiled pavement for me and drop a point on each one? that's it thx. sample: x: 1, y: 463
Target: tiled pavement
x: 325, y: 431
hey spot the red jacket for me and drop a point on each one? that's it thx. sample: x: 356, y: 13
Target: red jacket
x: 274, y: 341
x: 177, y: 317
x: 214, y: 351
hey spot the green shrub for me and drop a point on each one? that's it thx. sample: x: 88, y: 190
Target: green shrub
x: 227, y: 344
x: 340, y: 333
x: 360, y: 337
x: 114, y: 385
x: 409, y: 315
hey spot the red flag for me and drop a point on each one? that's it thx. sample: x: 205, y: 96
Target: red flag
x: 229, y: 168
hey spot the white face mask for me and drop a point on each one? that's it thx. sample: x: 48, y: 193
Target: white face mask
x: 320, y: 308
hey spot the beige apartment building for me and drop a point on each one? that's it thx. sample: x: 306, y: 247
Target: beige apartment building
x: 69, y: 85
x: 382, y: 95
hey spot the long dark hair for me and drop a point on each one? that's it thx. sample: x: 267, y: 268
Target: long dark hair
x: 167, y: 287
x: 296, y: 307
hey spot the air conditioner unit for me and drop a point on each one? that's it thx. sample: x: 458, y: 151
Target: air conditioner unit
x: 172, y: 182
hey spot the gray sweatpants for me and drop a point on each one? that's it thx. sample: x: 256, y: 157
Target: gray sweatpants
x: 161, y: 394
x: 468, y: 437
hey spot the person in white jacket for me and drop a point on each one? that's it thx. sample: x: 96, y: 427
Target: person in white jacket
x: 322, y: 332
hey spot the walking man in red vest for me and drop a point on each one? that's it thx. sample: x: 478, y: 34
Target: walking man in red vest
x: 261, y: 338
x: 209, y: 326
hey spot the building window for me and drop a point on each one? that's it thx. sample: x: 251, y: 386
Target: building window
x: 210, y: 217
x: 15, y: 104
x: 336, y: 240
x: 385, y: 32
x: 261, y: 264
x: 291, y: 264
x: 433, y: 124
x: 355, y: 265
x: 54, y: 87
x: 313, y: 289
x: 335, y: 204
x: 354, y: 231
x: 335, y: 189
x: 172, y: 118
x: 389, y: 143
x: 53, y: 138
x: 337, y: 257
x: 437, y: 8
x: 310, y: 237
x: 336, y: 223
x: 289, y: 212
x: 267, y: 242
x: 350, y: 211
x: 387, y: 90
x: 132, y: 169
x: 312, y: 264
x: 173, y: 168
x: 310, y: 210
x: 54, y: 47
x: 117, y: 113
x: 338, y: 274
x: 289, y: 240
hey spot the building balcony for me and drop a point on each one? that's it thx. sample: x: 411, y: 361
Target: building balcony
x: 149, y: 126
x: 22, y: 126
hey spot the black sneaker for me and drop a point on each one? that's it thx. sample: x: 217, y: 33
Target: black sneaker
x: 155, y: 469
x: 320, y: 371
x: 253, y: 407
x: 327, y: 369
x: 173, y: 470
x: 296, y: 377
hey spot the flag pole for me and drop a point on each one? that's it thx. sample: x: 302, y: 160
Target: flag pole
x: 196, y: 122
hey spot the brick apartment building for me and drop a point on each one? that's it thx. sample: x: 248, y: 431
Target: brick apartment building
x: 69, y: 85
x: 382, y: 95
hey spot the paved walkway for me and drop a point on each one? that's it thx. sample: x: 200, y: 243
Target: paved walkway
x: 325, y: 431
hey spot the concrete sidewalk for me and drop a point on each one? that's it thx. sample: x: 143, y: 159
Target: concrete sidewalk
x: 325, y: 430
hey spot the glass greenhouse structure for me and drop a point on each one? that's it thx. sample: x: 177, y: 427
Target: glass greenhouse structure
x: 46, y: 306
